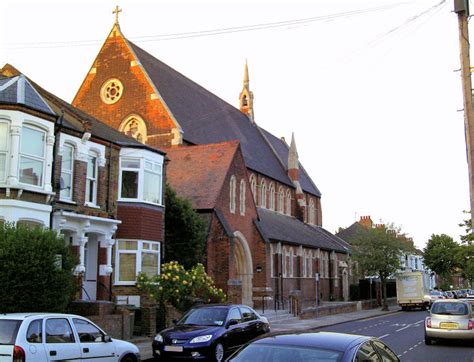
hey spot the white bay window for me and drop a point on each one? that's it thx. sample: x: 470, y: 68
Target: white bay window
x: 135, y: 256
x: 141, y: 177
x: 32, y: 156
x: 4, y: 135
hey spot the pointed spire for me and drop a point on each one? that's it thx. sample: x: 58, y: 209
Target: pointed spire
x: 246, y: 75
x: 293, y: 154
x: 246, y: 96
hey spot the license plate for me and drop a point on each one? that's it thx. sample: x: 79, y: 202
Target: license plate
x: 173, y: 348
x: 448, y: 325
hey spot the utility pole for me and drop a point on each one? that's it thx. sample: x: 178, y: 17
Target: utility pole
x: 461, y: 8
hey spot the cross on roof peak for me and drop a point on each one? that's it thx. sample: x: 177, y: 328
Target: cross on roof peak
x: 116, y: 12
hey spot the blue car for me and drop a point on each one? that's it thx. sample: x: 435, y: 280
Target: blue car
x: 314, y: 346
x: 209, y: 332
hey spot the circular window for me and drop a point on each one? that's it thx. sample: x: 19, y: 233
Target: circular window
x: 111, y: 91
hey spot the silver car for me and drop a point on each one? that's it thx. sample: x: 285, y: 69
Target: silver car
x: 449, y: 319
x: 44, y: 337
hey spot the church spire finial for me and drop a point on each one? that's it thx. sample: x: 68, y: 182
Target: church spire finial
x: 246, y: 96
x: 246, y: 74
x: 116, y: 12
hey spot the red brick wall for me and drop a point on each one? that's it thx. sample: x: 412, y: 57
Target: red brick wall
x: 114, y: 61
x: 140, y: 221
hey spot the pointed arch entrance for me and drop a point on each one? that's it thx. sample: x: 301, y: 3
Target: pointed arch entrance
x: 243, y: 266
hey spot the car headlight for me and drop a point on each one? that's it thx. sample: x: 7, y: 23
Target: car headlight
x: 159, y: 338
x: 201, y: 339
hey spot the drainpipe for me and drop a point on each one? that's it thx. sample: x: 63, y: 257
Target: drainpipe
x: 57, y: 129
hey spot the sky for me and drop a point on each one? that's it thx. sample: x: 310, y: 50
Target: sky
x: 371, y: 89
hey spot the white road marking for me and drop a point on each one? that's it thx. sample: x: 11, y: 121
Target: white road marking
x: 401, y: 329
x: 385, y: 335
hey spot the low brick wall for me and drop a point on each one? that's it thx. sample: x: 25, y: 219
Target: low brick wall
x: 117, y: 322
x: 329, y: 308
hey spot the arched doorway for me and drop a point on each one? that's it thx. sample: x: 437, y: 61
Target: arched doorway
x: 243, y: 266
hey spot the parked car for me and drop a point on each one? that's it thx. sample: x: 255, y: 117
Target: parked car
x: 434, y: 295
x: 209, y: 332
x: 314, y: 346
x: 450, y: 319
x: 53, y: 337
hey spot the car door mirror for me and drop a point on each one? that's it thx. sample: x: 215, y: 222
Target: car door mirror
x: 107, y: 338
x: 232, y: 322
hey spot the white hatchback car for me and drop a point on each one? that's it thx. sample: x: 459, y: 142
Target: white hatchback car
x: 51, y: 337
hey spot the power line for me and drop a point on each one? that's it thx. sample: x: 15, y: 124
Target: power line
x: 212, y: 32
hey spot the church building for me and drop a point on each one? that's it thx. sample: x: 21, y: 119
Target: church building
x: 265, y: 237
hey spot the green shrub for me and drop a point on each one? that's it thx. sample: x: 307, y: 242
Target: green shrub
x: 35, y: 270
x: 180, y: 287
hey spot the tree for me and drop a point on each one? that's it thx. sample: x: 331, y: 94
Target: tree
x: 440, y: 255
x: 467, y: 238
x: 465, y: 256
x: 377, y: 251
x: 35, y: 270
x: 185, y: 231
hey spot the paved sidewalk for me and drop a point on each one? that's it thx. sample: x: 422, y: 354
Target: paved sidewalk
x: 144, y: 343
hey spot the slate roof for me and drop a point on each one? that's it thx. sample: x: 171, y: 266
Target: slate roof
x: 281, y: 149
x: 73, y: 117
x: 18, y: 90
x: 285, y: 229
x: 351, y: 232
x: 205, y: 118
x: 198, y: 172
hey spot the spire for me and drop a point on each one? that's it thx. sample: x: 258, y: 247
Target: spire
x: 293, y: 163
x: 246, y: 75
x: 246, y: 96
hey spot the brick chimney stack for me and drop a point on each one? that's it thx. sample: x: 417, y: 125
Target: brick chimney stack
x: 366, y: 222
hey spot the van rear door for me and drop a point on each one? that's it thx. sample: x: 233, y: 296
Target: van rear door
x: 8, y: 332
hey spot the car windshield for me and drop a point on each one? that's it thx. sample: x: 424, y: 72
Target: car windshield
x: 204, y: 317
x: 8, y: 330
x: 278, y: 353
x: 449, y: 308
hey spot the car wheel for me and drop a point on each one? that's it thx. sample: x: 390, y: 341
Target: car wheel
x: 428, y: 340
x: 129, y: 358
x: 219, y: 352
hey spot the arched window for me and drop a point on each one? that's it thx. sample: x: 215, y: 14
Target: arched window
x: 281, y: 200
x: 311, y: 212
x: 253, y: 187
x: 135, y: 127
x: 271, y: 197
x: 242, y: 197
x: 232, y: 192
x: 67, y: 171
x: 263, y: 194
x: 288, y: 202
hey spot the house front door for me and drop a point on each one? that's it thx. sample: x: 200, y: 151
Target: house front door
x: 89, y: 284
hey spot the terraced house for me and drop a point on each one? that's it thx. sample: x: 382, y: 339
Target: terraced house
x: 63, y: 169
x: 265, y: 237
